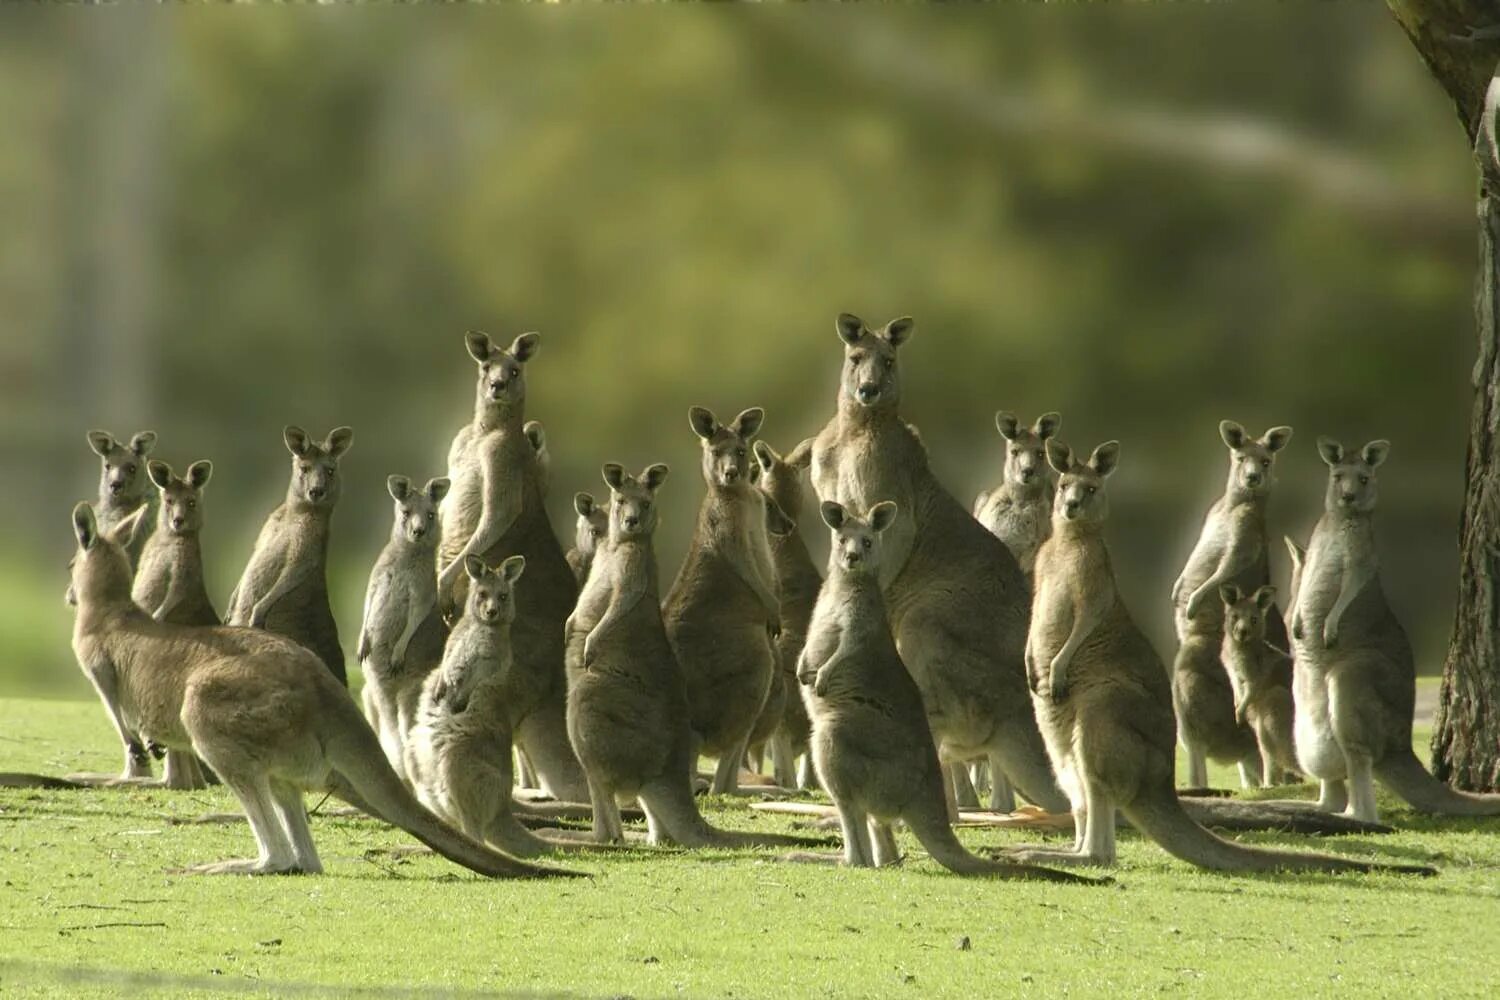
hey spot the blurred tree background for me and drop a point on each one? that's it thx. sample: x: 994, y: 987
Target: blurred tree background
x: 220, y: 221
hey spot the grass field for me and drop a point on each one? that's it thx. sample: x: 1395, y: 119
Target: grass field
x: 86, y: 909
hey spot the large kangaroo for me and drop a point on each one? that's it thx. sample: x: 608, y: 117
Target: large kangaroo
x: 259, y: 709
x: 495, y: 510
x: 956, y: 598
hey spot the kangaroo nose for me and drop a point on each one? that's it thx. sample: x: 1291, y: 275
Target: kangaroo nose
x: 316, y: 493
x: 868, y: 391
x: 419, y: 531
x: 178, y: 521
x: 116, y: 486
x: 632, y: 521
x: 731, y: 474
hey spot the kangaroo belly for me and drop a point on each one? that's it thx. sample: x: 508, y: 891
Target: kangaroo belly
x: 1318, y: 750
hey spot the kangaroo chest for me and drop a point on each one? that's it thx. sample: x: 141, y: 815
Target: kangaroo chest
x: 1323, y: 570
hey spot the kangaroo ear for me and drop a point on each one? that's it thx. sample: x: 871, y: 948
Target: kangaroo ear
x: 850, y: 327
x: 338, y: 442
x: 199, y: 473
x: 102, y: 442
x: 143, y: 442
x: 1232, y: 433
x: 123, y: 534
x: 1294, y: 549
x: 654, y: 476
x: 1059, y: 456
x: 1264, y: 596
x: 765, y: 456
x: 833, y: 514
x: 512, y: 568
x: 747, y: 424
x: 1375, y: 452
x: 800, y: 457
x: 523, y: 348
x: 777, y: 523
x: 478, y: 344
x: 296, y: 439
x: 536, y: 434
x: 882, y: 514
x: 85, y: 528
x: 1106, y: 458
x: 1047, y: 425
x: 583, y: 504
x: 899, y: 331
x: 614, y: 475
x: 1331, y: 450
x: 1276, y: 438
x: 399, y: 487
x: 160, y: 473
x: 1007, y: 424
x: 438, y: 488
x: 475, y: 567
x: 1229, y: 593
x: 703, y: 422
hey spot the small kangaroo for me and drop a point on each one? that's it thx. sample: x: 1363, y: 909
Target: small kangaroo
x: 871, y: 744
x: 496, y: 509
x: 1231, y: 549
x: 1354, y: 672
x: 1104, y: 701
x: 627, y: 698
x: 1262, y: 678
x: 169, y: 578
x: 400, y: 601
x: 1019, y: 510
x: 956, y: 598
x: 593, y: 522
x: 259, y: 709
x: 284, y: 588
x: 722, y: 612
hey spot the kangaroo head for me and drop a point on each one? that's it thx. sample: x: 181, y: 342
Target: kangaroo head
x: 502, y: 370
x: 726, y: 449
x: 100, y: 568
x: 780, y: 477
x: 1080, y: 485
x: 593, y: 523
x: 855, y: 546
x: 536, y: 436
x: 416, y: 509
x: 1026, y: 447
x: 1351, y: 477
x: 1245, y: 614
x: 315, y: 466
x: 180, y: 513
x: 1251, y: 460
x: 122, y: 477
x: 870, y: 377
x: 632, y: 507
x: 491, y: 591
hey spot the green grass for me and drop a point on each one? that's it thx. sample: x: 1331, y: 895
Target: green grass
x: 708, y: 924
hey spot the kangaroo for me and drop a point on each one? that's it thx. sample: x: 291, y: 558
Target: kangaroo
x: 797, y: 585
x: 400, y: 601
x: 496, y: 510
x: 259, y: 709
x: 1232, y: 548
x: 722, y: 612
x: 284, y: 588
x: 871, y: 744
x: 955, y: 596
x: 1019, y: 510
x: 1354, y: 672
x: 1262, y: 678
x: 169, y: 578
x: 593, y: 522
x: 1104, y: 701
x: 627, y: 697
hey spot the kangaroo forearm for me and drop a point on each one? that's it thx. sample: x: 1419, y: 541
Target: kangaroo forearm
x: 292, y: 574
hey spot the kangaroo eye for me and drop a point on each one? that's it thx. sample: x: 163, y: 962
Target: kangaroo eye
x: 865, y: 542
x: 431, y: 516
x: 1093, y: 490
x: 1265, y: 462
x: 513, y: 371
x: 595, y: 532
x: 890, y: 363
x: 856, y: 358
x: 192, y: 503
x: 1363, y: 480
x: 130, y: 469
x: 645, y: 506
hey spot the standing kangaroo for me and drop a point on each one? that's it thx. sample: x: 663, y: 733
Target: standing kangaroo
x: 1019, y: 510
x: 593, y: 523
x: 1232, y: 548
x: 955, y: 597
x: 495, y: 510
x: 1354, y: 672
x: 871, y: 744
x: 284, y: 588
x: 1104, y: 701
x: 400, y: 603
x: 256, y: 707
x: 169, y: 578
x: 722, y: 612
x: 1262, y: 679
x: 627, y: 698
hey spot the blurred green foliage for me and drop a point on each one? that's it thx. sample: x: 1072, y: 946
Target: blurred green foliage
x: 220, y: 221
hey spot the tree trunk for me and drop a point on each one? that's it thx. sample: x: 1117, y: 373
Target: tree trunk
x: 1459, y: 40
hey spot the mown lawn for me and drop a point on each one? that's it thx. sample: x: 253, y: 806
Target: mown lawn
x: 86, y: 909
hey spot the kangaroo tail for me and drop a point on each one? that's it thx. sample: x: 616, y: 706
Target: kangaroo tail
x: 933, y: 832
x: 1404, y: 774
x: 363, y: 777
x: 1159, y: 815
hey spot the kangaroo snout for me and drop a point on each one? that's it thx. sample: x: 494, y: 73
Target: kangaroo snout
x: 178, y: 521
x: 868, y: 392
x: 316, y: 493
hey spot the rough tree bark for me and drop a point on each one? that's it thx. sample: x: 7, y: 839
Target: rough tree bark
x: 1459, y: 40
